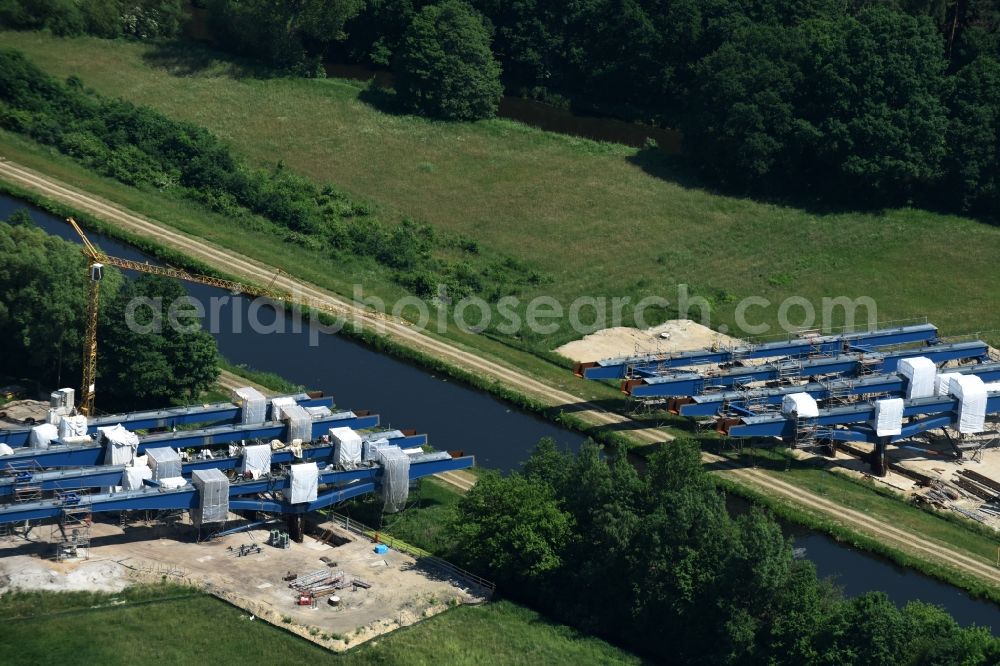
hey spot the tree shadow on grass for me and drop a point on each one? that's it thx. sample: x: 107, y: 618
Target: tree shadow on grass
x: 831, y: 199
x: 683, y: 171
x: 382, y: 99
x: 187, y: 58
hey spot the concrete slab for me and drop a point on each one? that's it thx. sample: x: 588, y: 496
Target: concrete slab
x: 402, y: 592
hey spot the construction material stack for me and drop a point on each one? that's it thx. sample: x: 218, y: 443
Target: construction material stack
x: 165, y: 463
x: 304, y: 483
x: 299, y: 423
x: 395, y: 477
x: 120, y: 445
x: 213, y: 494
x: 256, y: 460
x: 253, y: 404
x: 346, y: 447
x: 971, y: 394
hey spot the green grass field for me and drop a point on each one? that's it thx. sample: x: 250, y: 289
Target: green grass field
x: 583, y: 212
x: 175, y: 625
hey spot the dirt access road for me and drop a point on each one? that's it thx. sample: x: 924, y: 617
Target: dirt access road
x: 243, y: 267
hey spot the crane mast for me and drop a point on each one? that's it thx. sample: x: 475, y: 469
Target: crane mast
x: 98, y: 260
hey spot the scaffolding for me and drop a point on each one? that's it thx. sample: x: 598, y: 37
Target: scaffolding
x: 25, y: 489
x: 752, y: 399
x: 789, y: 372
x: 27, y: 493
x: 870, y: 364
x: 71, y: 535
x: 839, y: 391
x: 805, y: 433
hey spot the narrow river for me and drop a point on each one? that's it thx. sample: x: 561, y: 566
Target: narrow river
x: 500, y: 436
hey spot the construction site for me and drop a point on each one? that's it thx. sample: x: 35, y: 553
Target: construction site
x: 901, y: 405
x: 233, y: 498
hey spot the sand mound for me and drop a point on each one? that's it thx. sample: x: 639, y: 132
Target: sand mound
x: 670, y: 336
x: 26, y: 573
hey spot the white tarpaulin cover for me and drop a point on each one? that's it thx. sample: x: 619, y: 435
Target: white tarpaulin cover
x: 919, y: 373
x: 383, y: 434
x: 72, y: 427
x: 942, y: 383
x: 971, y: 393
x: 993, y: 387
x: 888, y: 417
x: 253, y: 403
x: 41, y: 435
x: 213, y: 496
x: 370, y: 447
x: 5, y: 450
x: 256, y: 460
x: 395, y: 477
x: 165, y: 463
x: 278, y: 407
x: 62, y: 400
x: 304, y: 482
x: 133, y: 476
x: 802, y: 405
x: 299, y: 423
x: 346, y: 447
x: 173, y: 482
x: 121, y: 445
x: 319, y: 412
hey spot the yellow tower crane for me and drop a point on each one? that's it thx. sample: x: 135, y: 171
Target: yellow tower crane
x: 98, y: 260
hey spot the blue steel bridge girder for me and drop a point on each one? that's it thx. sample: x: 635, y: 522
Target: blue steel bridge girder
x: 92, y: 454
x: 164, y: 418
x: 652, y: 364
x: 783, y: 426
x: 711, y: 404
x: 148, y: 498
x: 111, y: 475
x: 691, y: 383
x: 865, y: 433
x: 323, y: 500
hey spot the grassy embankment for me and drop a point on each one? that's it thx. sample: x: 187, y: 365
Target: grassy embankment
x: 585, y: 213
x: 270, y: 380
x: 177, y: 625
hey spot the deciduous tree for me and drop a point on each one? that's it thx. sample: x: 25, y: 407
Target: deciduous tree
x: 445, y: 68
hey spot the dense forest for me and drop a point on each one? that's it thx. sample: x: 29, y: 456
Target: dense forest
x: 653, y: 561
x: 43, y: 307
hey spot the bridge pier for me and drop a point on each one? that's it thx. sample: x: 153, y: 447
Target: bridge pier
x: 296, y: 526
x: 879, y: 466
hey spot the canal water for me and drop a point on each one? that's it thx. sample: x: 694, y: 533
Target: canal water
x: 500, y: 436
